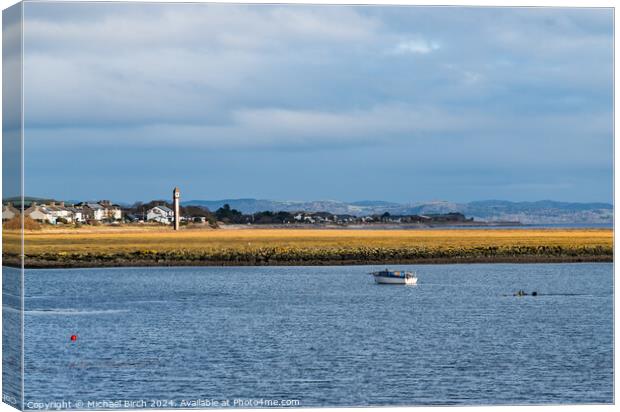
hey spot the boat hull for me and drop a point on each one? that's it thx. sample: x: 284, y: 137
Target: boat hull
x: 391, y: 280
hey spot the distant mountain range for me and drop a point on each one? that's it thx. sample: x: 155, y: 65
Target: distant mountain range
x: 540, y: 212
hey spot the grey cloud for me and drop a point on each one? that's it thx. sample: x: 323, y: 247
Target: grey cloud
x: 498, y: 87
x: 198, y: 64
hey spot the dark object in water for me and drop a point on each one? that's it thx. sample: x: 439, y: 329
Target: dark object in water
x: 521, y: 292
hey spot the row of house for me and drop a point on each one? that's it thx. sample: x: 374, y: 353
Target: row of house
x: 86, y: 212
x: 58, y: 212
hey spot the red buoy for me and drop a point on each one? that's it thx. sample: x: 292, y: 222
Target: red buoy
x: 73, y: 338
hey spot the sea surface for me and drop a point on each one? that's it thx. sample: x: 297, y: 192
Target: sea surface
x: 321, y: 336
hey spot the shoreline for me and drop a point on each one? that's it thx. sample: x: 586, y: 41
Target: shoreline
x: 34, y: 263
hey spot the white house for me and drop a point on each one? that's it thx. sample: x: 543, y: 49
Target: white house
x: 111, y: 211
x: 114, y: 212
x: 76, y: 212
x: 160, y: 214
x: 40, y: 213
x: 59, y: 211
x: 9, y: 212
x: 93, y: 211
x: 102, y: 210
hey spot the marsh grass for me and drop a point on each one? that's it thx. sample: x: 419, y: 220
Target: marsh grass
x: 162, y: 246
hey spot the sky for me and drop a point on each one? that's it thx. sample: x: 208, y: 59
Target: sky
x: 291, y: 102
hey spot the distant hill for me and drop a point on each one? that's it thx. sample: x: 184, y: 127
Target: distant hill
x: 260, y: 205
x: 16, y: 201
x: 543, y: 211
x: 374, y: 203
x: 539, y: 212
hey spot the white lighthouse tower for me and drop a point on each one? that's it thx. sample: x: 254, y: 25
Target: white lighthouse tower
x: 176, y: 197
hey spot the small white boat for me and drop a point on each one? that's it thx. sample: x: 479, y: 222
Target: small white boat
x: 392, y: 277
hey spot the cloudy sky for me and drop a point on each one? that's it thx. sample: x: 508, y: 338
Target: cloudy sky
x: 125, y: 101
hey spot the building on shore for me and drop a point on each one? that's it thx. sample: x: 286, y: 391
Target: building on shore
x: 53, y: 212
x: 77, y: 213
x: 40, y: 213
x: 100, y: 211
x: 60, y: 213
x: 160, y: 214
x: 9, y: 212
x: 111, y: 211
x: 92, y: 211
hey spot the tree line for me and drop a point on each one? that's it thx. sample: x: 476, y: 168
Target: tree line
x: 229, y: 215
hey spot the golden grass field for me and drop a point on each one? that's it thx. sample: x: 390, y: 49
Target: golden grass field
x: 262, y: 246
x: 121, y: 239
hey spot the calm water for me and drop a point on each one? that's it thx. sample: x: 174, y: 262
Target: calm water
x: 322, y: 335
